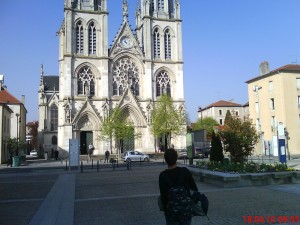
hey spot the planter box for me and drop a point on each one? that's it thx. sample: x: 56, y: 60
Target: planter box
x: 16, y: 161
x: 243, y: 180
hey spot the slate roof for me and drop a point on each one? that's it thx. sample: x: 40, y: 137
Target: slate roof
x: 287, y: 68
x: 6, y: 97
x: 51, y: 83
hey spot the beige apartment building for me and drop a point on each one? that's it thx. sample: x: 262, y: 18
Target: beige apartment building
x: 218, y: 110
x: 274, y: 98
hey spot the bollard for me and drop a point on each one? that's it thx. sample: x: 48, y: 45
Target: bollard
x: 81, y: 167
x: 92, y: 164
x: 113, y: 164
x: 66, y: 164
x: 127, y: 165
x: 97, y: 166
x: 117, y: 163
x: 130, y: 164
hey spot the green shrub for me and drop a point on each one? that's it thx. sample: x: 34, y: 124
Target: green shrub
x: 248, y: 167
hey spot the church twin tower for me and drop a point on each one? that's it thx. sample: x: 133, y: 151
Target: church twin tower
x: 94, y: 78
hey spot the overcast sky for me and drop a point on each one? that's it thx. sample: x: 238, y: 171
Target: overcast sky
x: 224, y: 41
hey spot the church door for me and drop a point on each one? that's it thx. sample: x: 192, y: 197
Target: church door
x: 86, y: 137
x: 128, y: 143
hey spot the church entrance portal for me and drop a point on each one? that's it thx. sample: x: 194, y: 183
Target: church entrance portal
x: 127, y: 144
x: 86, y: 137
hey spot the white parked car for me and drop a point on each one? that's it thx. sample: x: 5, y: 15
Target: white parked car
x: 33, y: 153
x: 135, y: 156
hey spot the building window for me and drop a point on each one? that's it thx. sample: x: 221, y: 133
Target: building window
x: 236, y: 112
x: 85, y: 82
x: 298, y: 83
x: 270, y: 85
x: 125, y: 75
x: 156, y: 42
x: 79, y: 38
x: 54, y: 117
x: 273, y: 123
x: 298, y: 101
x: 220, y: 112
x: 160, y: 4
x: 257, y: 124
x: 272, y: 104
x: 221, y: 122
x: 54, y: 140
x: 92, y: 39
x: 163, y: 84
x: 168, y: 44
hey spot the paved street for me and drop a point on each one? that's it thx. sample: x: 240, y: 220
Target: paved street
x: 45, y: 193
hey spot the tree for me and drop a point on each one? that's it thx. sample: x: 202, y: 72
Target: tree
x: 239, y: 138
x: 13, y: 145
x: 207, y: 123
x: 216, y: 151
x: 166, y: 120
x: 116, y: 126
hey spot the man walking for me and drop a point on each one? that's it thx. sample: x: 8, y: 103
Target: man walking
x: 106, y: 156
x: 172, y: 181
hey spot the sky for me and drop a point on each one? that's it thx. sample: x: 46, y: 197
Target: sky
x: 224, y: 41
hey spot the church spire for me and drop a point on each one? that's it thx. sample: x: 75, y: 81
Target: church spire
x: 125, y: 11
x: 42, y: 75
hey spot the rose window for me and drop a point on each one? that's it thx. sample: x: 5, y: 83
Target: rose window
x: 125, y: 74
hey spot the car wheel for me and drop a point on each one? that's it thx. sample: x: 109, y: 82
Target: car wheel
x: 146, y: 159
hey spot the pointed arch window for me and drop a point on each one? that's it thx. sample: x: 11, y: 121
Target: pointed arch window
x: 86, y: 82
x: 156, y: 41
x: 125, y: 75
x: 163, y: 84
x: 79, y: 38
x: 54, y: 117
x: 168, y: 46
x: 92, y: 39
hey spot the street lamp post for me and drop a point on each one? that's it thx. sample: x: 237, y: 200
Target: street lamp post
x: 17, y: 151
x: 200, y: 109
x: 256, y: 89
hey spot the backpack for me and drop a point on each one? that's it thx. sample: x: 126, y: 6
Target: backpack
x: 179, y: 204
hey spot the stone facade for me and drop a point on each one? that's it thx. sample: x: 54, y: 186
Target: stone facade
x: 94, y: 79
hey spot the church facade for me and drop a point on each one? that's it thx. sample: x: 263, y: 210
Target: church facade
x: 94, y: 78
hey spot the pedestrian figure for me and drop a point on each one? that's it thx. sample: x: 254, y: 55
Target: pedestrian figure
x: 10, y: 161
x: 175, y: 184
x: 106, y: 156
x: 56, y: 154
x: 90, y: 151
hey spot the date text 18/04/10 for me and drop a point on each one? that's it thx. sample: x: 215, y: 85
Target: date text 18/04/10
x: 270, y: 219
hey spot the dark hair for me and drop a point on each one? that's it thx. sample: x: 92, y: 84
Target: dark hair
x: 171, y: 156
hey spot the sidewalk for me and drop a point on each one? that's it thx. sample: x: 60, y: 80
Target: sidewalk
x: 49, y: 195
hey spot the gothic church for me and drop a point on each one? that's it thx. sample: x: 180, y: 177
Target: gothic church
x: 94, y: 78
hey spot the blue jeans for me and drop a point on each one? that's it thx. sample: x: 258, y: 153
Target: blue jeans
x: 188, y: 222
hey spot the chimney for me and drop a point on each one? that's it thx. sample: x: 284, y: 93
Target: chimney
x: 264, y: 68
x: 23, y: 99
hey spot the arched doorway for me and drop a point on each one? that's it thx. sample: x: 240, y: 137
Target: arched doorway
x: 86, y: 137
x: 127, y: 144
